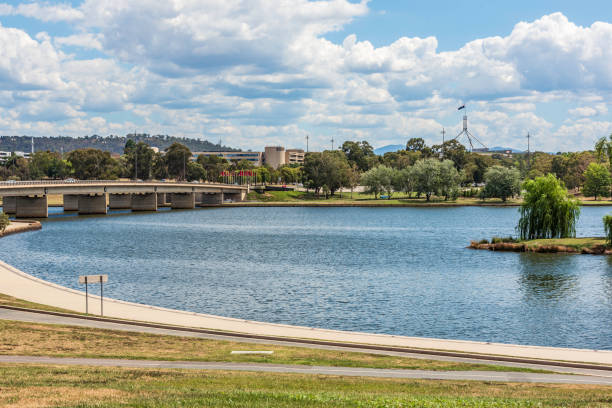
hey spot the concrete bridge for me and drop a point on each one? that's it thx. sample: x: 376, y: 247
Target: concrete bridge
x: 29, y: 199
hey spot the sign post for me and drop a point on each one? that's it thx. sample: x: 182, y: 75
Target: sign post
x: 86, y: 279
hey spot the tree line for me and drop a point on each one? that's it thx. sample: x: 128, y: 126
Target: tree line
x: 446, y: 170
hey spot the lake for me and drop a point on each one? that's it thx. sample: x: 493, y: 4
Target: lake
x: 402, y: 271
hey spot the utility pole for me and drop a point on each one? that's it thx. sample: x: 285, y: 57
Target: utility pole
x: 528, y: 152
x: 443, y: 134
x: 32, y: 144
x: 136, y: 162
x: 332, y: 143
x: 307, y: 137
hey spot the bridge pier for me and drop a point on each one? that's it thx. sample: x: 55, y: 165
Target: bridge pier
x: 32, y: 207
x: 92, y: 204
x: 161, y: 199
x: 71, y: 202
x: 119, y: 201
x: 236, y: 197
x: 183, y: 200
x: 213, y: 198
x: 9, y: 205
x: 144, y: 202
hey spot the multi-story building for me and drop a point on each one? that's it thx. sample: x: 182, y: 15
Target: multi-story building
x: 294, y: 156
x: 253, y: 157
x: 4, y: 156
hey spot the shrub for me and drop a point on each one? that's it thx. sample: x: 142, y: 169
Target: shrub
x: 498, y: 240
x: 607, y: 221
x: 483, y: 241
x: 4, y: 222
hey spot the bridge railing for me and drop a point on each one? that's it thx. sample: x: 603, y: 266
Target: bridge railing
x: 12, y: 183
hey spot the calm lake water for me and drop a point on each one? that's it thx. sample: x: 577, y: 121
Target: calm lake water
x: 387, y: 270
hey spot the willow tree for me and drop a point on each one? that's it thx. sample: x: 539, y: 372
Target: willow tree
x: 547, y: 210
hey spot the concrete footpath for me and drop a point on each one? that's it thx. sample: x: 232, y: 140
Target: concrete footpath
x: 16, y: 283
x: 321, y: 370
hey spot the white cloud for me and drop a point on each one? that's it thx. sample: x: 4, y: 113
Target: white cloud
x: 86, y: 40
x: 43, y: 11
x: 249, y: 71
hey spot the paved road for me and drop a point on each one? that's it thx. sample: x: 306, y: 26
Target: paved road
x: 339, y: 371
x: 7, y: 314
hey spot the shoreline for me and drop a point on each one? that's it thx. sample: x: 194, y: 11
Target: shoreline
x: 17, y: 226
x: 27, y: 287
x: 544, y: 247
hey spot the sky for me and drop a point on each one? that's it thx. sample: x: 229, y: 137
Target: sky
x: 253, y: 73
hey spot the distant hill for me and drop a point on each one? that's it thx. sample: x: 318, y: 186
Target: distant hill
x: 113, y: 144
x: 388, y: 148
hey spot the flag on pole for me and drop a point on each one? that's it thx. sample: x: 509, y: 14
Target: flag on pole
x: 461, y: 107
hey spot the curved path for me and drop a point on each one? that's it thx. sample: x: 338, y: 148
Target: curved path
x: 341, y: 371
x: 21, y: 285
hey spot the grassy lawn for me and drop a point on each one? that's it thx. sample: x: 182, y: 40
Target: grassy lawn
x: 366, y: 199
x: 33, y: 339
x: 577, y: 243
x: 38, y: 386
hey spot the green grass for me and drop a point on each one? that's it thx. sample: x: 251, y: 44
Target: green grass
x: 34, y: 339
x: 37, y: 386
x: 309, y: 198
x: 577, y: 243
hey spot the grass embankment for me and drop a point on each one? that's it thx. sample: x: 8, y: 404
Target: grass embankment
x: 22, y: 338
x: 587, y: 245
x: 363, y: 199
x: 30, y: 385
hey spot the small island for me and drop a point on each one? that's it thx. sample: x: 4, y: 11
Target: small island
x: 591, y: 245
x: 548, y: 223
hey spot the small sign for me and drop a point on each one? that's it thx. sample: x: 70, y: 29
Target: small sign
x: 93, y: 279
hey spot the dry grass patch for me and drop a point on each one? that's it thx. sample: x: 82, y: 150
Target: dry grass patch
x: 114, y: 387
x: 22, y: 338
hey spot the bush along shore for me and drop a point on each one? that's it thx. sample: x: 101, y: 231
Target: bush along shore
x: 590, y: 246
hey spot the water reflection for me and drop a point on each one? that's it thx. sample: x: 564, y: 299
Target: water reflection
x: 548, y: 276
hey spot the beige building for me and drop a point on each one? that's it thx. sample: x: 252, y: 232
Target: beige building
x: 294, y: 156
x: 253, y: 157
x: 274, y: 156
x: 277, y: 156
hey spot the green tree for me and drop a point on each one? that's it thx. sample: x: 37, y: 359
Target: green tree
x: 329, y: 168
x: 432, y: 176
x: 502, y: 182
x: 16, y: 168
x: 426, y: 175
x: 195, y: 172
x: 159, y: 167
x: 214, y: 166
x: 596, y: 181
x: 48, y: 164
x: 177, y: 157
x: 4, y: 222
x: 548, y: 211
x: 603, y: 149
x: 607, y: 221
x: 378, y: 180
x: 353, y: 178
x: 92, y: 164
x: 403, y: 180
x: 448, y: 180
x: 360, y: 154
x: 139, y: 159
